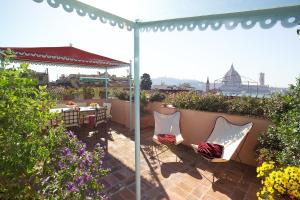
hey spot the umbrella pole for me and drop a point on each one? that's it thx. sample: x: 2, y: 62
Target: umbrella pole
x: 130, y: 98
x: 106, y: 94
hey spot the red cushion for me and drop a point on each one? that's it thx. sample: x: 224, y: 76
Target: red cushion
x: 170, y: 138
x: 209, y: 150
x: 92, y: 120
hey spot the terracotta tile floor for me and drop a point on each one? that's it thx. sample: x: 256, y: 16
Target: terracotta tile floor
x: 174, y: 174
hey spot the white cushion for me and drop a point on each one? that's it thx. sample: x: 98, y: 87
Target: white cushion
x: 167, y: 124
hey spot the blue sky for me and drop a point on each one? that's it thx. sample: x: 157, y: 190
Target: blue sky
x: 191, y: 55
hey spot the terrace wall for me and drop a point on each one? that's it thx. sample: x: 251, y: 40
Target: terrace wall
x: 195, y: 125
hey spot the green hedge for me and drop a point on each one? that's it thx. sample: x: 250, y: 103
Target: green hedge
x: 219, y: 103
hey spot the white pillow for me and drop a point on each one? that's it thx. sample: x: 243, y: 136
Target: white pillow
x: 167, y: 124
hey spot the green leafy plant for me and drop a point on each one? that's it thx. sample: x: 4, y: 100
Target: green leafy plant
x: 88, y: 92
x: 282, y: 140
x: 121, y: 94
x: 70, y: 93
x: 247, y: 106
x: 143, y: 101
x: 219, y: 103
x: 38, y: 162
x: 157, y: 96
x: 24, y: 114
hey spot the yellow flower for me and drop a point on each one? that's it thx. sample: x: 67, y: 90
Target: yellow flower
x: 284, y: 180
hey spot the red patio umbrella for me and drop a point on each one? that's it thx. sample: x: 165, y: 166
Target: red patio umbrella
x: 64, y: 56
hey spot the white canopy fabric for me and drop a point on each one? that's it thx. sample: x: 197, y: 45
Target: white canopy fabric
x: 158, y: 15
x: 209, y: 13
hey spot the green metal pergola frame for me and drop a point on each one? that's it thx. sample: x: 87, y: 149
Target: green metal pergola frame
x: 266, y: 18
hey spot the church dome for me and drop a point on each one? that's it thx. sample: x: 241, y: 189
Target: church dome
x: 232, y: 77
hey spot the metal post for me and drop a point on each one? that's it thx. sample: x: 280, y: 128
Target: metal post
x: 106, y: 95
x: 249, y: 93
x: 130, y: 98
x: 256, y: 89
x: 2, y: 63
x: 137, y: 110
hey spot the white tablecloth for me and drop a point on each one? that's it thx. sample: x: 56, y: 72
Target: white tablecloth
x: 82, y: 109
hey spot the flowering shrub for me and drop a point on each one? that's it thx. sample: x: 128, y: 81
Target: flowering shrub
x: 279, y: 183
x: 37, y: 162
x: 73, y: 172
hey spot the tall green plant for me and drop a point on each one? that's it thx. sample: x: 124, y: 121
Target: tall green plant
x: 38, y: 162
x: 281, y: 143
x: 24, y: 113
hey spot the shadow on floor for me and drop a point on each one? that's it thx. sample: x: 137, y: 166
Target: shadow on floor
x: 177, y: 173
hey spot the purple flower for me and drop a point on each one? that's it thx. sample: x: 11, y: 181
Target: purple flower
x: 81, y: 164
x: 66, y: 151
x: 81, y: 151
x: 61, y: 165
x: 79, y: 180
x: 88, y: 160
x: 104, y: 196
x: 71, y: 187
x: 70, y: 133
x: 100, y: 162
x: 86, y: 177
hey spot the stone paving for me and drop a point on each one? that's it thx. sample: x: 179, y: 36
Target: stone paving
x: 175, y: 174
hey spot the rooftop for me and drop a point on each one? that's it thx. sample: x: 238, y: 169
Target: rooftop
x: 178, y: 174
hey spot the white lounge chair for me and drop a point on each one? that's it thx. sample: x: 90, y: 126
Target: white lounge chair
x: 166, y: 124
x: 229, y: 135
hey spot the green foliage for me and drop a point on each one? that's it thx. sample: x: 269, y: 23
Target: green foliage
x: 88, y: 92
x: 70, y: 93
x: 157, y: 96
x: 5, y: 57
x: 143, y: 101
x: 33, y: 159
x: 248, y: 106
x: 146, y: 82
x: 122, y: 94
x: 218, y: 103
x: 24, y: 113
x: 282, y: 140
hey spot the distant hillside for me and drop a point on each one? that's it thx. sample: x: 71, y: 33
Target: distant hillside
x: 174, y: 81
